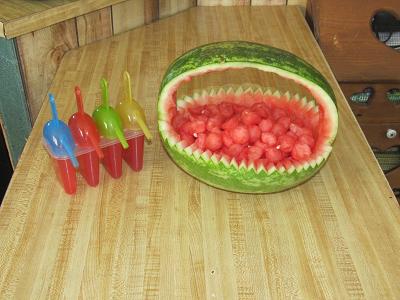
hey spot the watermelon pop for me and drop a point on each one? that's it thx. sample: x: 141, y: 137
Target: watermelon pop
x: 86, y: 135
x: 132, y: 115
x: 110, y: 126
x: 61, y: 144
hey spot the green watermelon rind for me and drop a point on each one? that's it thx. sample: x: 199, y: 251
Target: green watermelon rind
x: 240, y: 54
x: 239, y: 180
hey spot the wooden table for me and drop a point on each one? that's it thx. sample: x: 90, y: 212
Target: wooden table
x: 162, y: 234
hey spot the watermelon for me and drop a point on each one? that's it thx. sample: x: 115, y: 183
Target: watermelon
x: 248, y: 139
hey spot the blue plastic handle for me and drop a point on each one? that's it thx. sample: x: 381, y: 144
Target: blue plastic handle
x: 58, y: 136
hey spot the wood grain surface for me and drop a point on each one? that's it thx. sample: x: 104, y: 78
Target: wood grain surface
x: 170, y: 7
x: 23, y: 16
x: 127, y: 15
x: 15, y: 9
x: 94, y: 26
x: 162, y: 234
x: 222, y: 2
x: 151, y: 11
x: 302, y: 3
x: 268, y: 2
x: 40, y: 54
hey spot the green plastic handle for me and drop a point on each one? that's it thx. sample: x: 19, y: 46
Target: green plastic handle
x: 121, y: 138
x: 104, y: 88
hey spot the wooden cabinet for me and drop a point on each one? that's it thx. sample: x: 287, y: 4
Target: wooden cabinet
x: 361, y: 62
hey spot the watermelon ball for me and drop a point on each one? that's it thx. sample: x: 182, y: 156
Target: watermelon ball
x: 211, y: 110
x: 212, y: 122
x: 172, y: 112
x: 266, y: 125
x: 292, y: 135
x: 196, y: 109
x: 234, y: 150
x: 268, y: 139
x: 187, y: 138
x: 254, y: 133
x: 178, y: 120
x: 286, y: 143
x: 249, y: 117
x: 273, y: 155
x: 226, y: 139
x: 238, y: 108
x: 216, y: 130
x: 298, y: 121
x: 278, y: 129
x: 203, y: 118
x: 201, y: 141
x: 243, y: 155
x: 240, y: 135
x: 278, y: 113
x: 284, y: 121
x: 261, y: 162
x: 300, y: 130
x: 306, y: 139
x: 261, y: 145
x: 213, y: 142
x: 301, y: 151
x: 231, y: 123
x: 226, y: 109
x: 261, y: 110
x: 196, y: 126
x: 255, y: 152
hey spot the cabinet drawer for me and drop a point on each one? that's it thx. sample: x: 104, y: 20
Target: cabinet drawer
x: 382, y: 136
x: 379, y: 108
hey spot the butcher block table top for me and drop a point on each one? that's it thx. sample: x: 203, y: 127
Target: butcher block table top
x: 160, y: 233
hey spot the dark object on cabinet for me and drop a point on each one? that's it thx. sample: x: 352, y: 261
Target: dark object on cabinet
x: 5, y: 167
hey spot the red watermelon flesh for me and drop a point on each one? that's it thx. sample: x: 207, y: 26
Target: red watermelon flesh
x: 260, y: 129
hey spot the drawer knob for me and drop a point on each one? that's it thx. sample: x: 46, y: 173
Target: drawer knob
x: 391, y: 133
